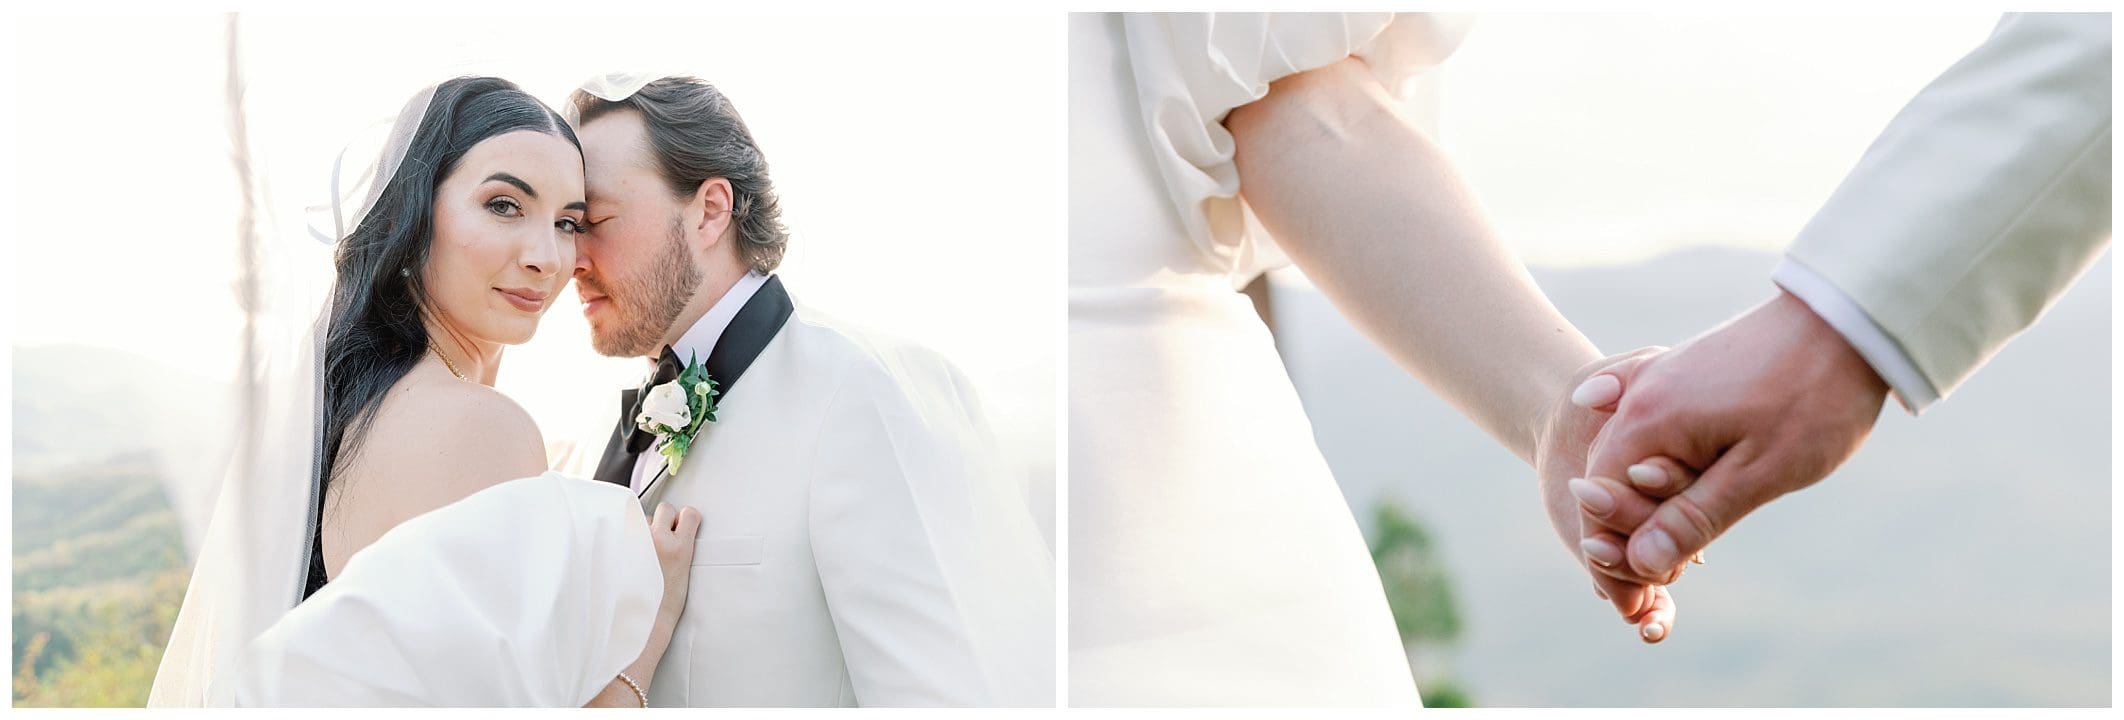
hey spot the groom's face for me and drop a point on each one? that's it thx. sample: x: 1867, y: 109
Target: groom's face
x: 634, y: 268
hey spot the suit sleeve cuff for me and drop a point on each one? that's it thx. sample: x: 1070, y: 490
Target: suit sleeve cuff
x: 1872, y: 343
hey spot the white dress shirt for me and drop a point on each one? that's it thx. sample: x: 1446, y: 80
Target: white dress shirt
x: 1865, y: 335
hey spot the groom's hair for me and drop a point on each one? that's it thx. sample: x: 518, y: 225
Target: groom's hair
x: 696, y: 134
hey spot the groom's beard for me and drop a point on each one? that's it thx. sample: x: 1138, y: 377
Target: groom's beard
x: 647, y: 303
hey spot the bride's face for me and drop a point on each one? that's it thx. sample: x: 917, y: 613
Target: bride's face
x: 505, y: 225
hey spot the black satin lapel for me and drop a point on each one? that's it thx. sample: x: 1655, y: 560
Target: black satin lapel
x: 617, y: 465
x: 754, y: 326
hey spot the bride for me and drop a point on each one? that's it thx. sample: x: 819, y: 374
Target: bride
x: 396, y: 538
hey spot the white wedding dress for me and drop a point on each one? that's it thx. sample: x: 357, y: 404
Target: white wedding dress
x: 1213, y: 560
x: 532, y: 593
x: 535, y: 592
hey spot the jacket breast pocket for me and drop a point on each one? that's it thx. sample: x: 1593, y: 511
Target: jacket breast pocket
x: 729, y: 550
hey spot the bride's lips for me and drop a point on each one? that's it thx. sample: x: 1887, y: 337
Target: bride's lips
x: 525, y: 299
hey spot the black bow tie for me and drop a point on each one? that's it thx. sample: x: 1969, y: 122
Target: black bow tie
x: 668, y: 368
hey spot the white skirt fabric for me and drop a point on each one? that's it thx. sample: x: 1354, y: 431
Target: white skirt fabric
x: 1213, y: 559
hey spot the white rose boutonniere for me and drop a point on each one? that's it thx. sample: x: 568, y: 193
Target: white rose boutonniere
x: 675, y: 411
x: 666, y: 407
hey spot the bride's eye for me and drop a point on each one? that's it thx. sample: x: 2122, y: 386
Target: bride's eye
x: 570, y: 226
x: 504, y: 207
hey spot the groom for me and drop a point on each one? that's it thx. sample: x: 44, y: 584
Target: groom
x: 849, y: 552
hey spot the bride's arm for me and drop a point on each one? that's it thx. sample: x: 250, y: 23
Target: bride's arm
x: 617, y: 694
x: 1375, y: 215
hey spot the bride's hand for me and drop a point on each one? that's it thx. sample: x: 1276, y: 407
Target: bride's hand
x: 1562, y: 437
x: 672, y: 530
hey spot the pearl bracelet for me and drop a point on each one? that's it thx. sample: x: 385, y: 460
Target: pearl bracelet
x: 631, y: 684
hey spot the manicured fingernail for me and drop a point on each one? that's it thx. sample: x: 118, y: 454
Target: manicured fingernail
x: 1649, y: 477
x: 1698, y: 558
x: 1601, y: 552
x: 1654, y: 632
x: 1657, y: 553
x: 1597, y: 391
x: 1594, y: 497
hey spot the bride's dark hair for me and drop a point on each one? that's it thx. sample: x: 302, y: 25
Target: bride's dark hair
x: 376, y: 332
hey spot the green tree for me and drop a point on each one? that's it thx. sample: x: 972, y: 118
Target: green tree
x: 99, y: 571
x: 1420, y: 593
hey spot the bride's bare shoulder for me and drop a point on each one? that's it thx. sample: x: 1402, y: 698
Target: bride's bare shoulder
x: 436, y: 440
x: 432, y: 441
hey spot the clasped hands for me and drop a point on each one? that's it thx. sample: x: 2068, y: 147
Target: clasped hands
x: 1653, y: 454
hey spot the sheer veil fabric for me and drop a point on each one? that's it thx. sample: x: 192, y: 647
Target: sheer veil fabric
x: 252, y: 560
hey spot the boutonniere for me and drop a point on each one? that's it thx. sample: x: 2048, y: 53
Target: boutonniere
x: 675, y: 411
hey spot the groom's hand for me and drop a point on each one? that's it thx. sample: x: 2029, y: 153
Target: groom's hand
x: 1766, y: 404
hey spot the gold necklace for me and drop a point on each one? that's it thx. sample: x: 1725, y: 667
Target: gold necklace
x: 446, y: 362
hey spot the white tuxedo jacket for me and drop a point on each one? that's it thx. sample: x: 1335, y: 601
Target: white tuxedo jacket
x: 1975, y: 209
x: 859, y: 544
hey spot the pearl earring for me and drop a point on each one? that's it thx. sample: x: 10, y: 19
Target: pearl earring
x: 405, y: 272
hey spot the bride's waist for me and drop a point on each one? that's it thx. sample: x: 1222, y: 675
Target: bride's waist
x: 1172, y: 299
x: 1173, y: 340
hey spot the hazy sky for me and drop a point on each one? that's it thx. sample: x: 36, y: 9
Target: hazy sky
x: 1598, y: 139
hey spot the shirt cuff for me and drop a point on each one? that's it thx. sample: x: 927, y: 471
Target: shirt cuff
x: 1872, y: 343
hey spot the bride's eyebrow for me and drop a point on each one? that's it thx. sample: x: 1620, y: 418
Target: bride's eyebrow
x: 513, y: 180
x: 526, y: 187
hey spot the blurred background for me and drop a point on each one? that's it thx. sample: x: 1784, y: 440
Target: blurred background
x: 917, y: 159
x: 1651, y: 170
